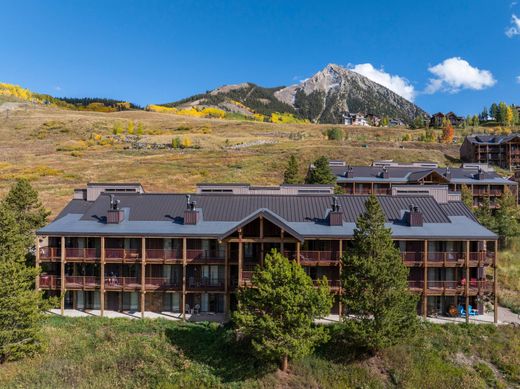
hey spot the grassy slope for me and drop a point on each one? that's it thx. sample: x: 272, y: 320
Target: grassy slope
x: 106, y: 353
x: 50, y: 146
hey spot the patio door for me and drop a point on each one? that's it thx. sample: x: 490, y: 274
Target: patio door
x: 80, y: 301
x: 204, y: 303
x: 213, y: 280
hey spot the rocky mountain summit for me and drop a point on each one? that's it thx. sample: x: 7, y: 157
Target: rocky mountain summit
x: 323, y: 98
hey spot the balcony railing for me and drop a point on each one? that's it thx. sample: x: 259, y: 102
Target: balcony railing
x: 50, y: 252
x: 474, y: 286
x: 50, y: 281
x: 446, y: 257
x: 112, y: 282
x: 80, y: 282
x: 205, y: 255
x: 412, y: 257
x: 162, y: 283
x: 163, y: 254
x: 122, y: 254
x: 205, y: 283
x: 319, y: 256
x: 82, y: 253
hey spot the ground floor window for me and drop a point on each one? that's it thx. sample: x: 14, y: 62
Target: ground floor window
x: 172, y: 302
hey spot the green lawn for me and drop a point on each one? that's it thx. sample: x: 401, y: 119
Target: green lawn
x: 108, y: 353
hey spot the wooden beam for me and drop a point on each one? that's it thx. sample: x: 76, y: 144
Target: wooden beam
x: 62, y: 272
x: 268, y: 239
x: 240, y: 256
x: 102, y: 280
x: 226, y: 278
x: 466, y: 286
x: 298, y: 244
x: 340, y: 305
x: 261, y: 227
x: 37, y: 263
x: 425, y: 279
x: 143, y: 275
x: 495, y: 285
x: 184, y: 256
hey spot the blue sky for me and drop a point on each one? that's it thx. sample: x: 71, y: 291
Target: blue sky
x: 161, y: 51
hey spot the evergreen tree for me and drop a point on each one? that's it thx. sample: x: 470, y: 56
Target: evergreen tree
x: 485, y: 216
x: 484, y: 114
x: 23, y: 200
x: 466, y: 196
x: 321, y: 173
x: 494, y: 111
x: 290, y: 175
x: 380, y: 309
x: 506, y: 217
x: 20, y: 304
x: 278, y: 313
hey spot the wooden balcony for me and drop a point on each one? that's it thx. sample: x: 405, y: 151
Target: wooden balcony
x: 163, y: 255
x: 413, y: 258
x: 205, y: 256
x: 443, y: 259
x: 122, y: 255
x: 82, y: 255
x: 308, y: 257
x: 122, y: 283
x: 452, y: 288
x: 81, y: 282
x: 203, y: 284
x: 50, y: 254
x: 50, y: 282
x: 162, y: 283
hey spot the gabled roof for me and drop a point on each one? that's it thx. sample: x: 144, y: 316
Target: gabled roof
x: 268, y: 215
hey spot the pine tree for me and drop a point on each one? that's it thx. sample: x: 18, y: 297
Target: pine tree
x: 380, y: 309
x: 321, y: 173
x: 20, y: 304
x: 494, y: 111
x: 506, y: 217
x: 278, y: 313
x: 290, y: 175
x: 485, y: 216
x: 23, y: 200
x: 466, y: 196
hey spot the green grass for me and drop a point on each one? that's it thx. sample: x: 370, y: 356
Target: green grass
x: 107, y: 353
x: 509, y: 278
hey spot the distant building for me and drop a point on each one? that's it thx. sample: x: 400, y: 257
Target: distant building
x: 499, y: 150
x: 355, y: 119
x: 383, y: 177
x: 436, y: 120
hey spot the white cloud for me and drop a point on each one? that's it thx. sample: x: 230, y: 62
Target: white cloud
x: 455, y: 74
x: 397, y: 84
x: 515, y: 28
x: 518, y: 79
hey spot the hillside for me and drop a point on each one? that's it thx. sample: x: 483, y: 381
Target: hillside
x: 322, y: 98
x: 61, y: 149
x: 108, y: 353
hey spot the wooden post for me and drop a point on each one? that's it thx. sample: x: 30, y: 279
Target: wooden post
x: 282, y: 233
x: 240, y: 256
x: 495, y: 285
x: 226, y: 279
x: 62, y: 272
x: 466, y: 287
x: 143, y: 274
x: 37, y: 263
x: 102, y: 280
x: 184, y: 255
x: 298, y: 252
x: 340, y: 267
x: 425, y: 279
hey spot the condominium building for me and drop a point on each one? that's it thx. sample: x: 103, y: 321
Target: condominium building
x: 387, y: 177
x: 499, y: 150
x: 116, y: 247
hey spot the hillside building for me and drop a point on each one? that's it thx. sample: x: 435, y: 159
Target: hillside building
x: 385, y: 177
x: 123, y: 249
x: 498, y: 150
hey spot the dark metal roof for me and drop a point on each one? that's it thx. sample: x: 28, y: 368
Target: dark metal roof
x: 405, y: 174
x: 486, y: 139
x: 457, y: 208
x: 77, y: 206
x: 232, y: 207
